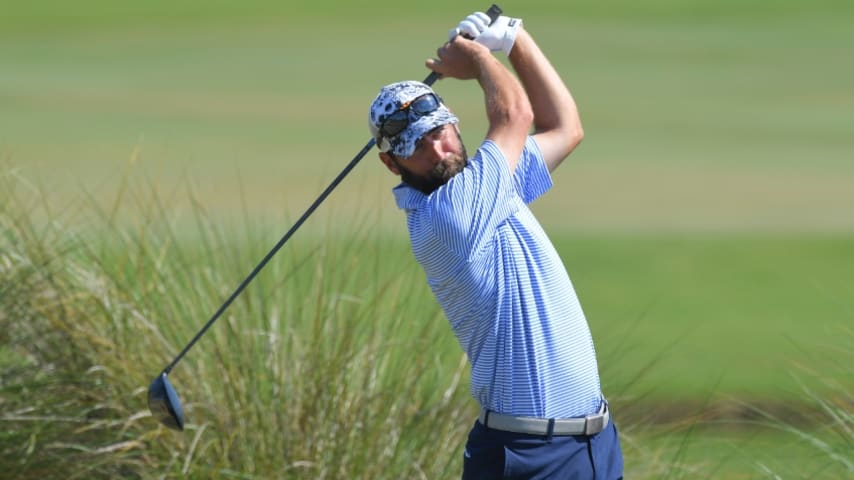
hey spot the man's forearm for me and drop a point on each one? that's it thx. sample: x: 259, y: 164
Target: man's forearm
x: 507, y: 107
x: 556, y: 116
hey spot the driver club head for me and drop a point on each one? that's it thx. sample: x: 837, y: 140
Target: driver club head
x: 165, y: 404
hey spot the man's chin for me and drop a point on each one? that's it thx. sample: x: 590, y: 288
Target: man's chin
x: 425, y: 185
x: 447, y: 171
x: 439, y: 176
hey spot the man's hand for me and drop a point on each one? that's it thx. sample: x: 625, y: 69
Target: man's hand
x: 507, y: 107
x: 460, y: 58
x: 501, y: 35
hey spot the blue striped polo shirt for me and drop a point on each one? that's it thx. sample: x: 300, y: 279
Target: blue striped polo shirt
x: 503, y: 287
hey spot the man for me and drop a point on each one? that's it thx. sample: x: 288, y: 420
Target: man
x: 490, y: 265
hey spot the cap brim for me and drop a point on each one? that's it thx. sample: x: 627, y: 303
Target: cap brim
x: 403, y: 144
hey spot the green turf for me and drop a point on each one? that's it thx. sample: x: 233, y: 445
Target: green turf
x: 762, y: 452
x: 700, y: 115
x: 747, y: 316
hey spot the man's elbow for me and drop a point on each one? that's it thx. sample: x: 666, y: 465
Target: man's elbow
x: 575, y: 136
x: 523, y: 114
x: 572, y: 135
x: 516, y: 114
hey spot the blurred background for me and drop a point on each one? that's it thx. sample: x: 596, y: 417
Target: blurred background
x: 707, y: 220
x: 700, y: 116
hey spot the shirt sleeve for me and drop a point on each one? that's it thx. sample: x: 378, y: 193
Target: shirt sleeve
x: 531, y: 178
x: 466, y: 211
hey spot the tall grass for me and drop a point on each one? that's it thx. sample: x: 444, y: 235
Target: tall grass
x: 827, y: 428
x: 309, y: 374
x: 334, y: 363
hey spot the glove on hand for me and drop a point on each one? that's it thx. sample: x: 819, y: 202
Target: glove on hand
x: 501, y: 35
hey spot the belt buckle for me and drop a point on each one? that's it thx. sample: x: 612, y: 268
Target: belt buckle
x: 594, y: 424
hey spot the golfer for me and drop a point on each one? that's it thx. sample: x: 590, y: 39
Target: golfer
x: 488, y: 261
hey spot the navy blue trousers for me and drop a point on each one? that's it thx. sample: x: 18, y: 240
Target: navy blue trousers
x: 495, y: 454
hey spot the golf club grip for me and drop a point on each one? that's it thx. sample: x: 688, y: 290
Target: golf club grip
x: 493, y: 13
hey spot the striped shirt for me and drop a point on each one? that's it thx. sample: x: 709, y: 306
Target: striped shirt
x: 504, y: 288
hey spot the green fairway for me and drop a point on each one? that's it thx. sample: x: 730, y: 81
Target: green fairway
x: 746, y: 316
x: 152, y: 152
x: 697, y: 117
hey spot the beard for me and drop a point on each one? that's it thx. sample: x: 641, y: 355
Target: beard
x: 439, y: 175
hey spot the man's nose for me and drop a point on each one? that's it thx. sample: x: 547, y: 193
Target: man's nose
x: 434, y: 145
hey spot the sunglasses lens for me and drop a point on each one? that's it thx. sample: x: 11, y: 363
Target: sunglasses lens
x: 399, y: 120
x: 424, y: 105
x: 394, y: 124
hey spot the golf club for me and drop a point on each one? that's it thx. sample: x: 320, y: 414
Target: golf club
x: 163, y: 401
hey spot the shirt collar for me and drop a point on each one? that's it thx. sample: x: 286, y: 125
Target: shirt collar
x: 408, y: 198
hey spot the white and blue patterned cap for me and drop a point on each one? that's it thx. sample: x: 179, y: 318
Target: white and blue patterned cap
x: 389, y: 100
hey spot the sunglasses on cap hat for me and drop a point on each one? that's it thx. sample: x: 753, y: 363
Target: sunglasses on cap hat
x: 399, y: 120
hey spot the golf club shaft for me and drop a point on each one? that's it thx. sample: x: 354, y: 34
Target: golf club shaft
x: 493, y: 12
x: 274, y: 250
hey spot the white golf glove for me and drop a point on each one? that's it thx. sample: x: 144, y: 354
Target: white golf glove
x: 501, y: 35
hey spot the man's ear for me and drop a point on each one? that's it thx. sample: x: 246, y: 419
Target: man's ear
x: 389, y: 163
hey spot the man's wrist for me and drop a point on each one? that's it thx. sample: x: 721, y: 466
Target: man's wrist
x: 511, y: 32
x: 486, y: 61
x: 521, y: 38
